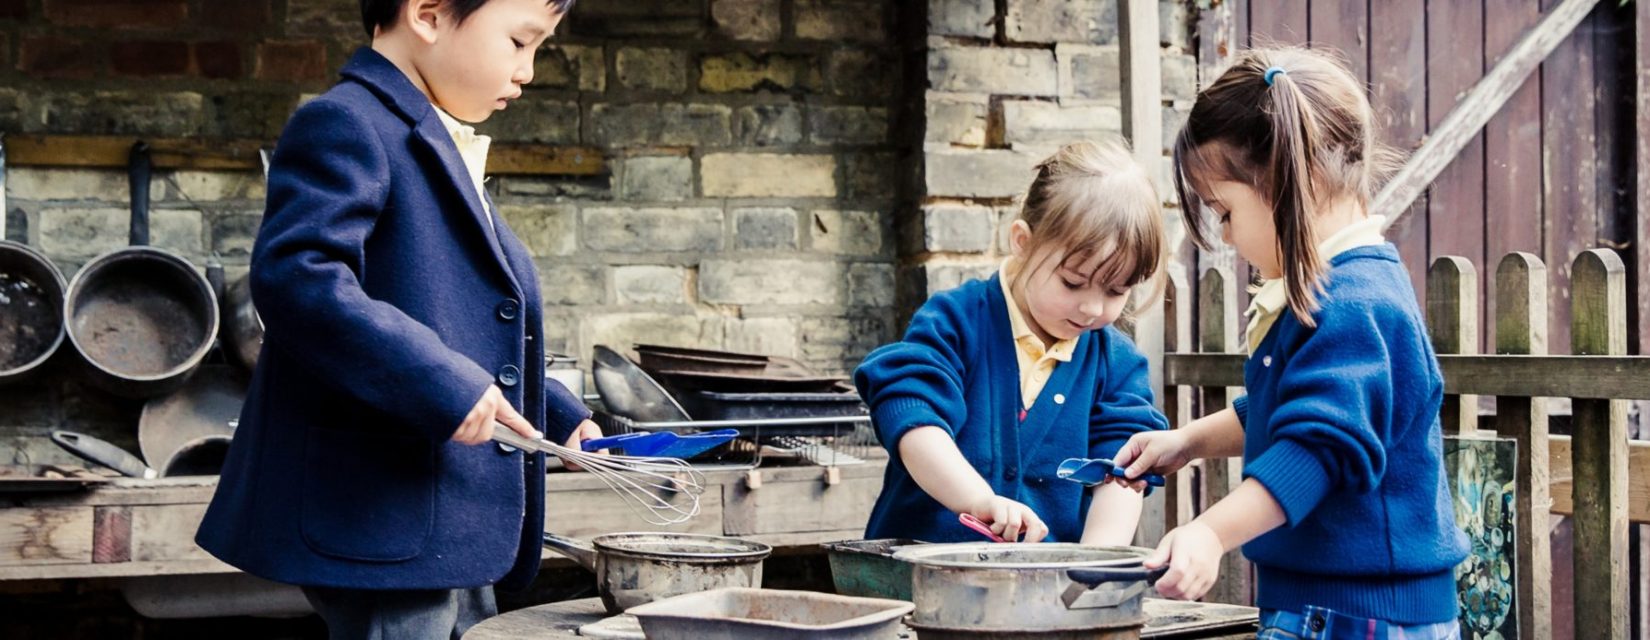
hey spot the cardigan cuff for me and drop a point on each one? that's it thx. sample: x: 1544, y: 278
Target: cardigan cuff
x: 1241, y: 406
x: 896, y: 416
x: 1294, y: 476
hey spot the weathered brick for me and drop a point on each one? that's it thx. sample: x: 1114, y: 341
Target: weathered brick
x: 260, y: 113
x: 1176, y: 24
x: 838, y: 20
x: 88, y: 232
x: 572, y: 284
x: 1089, y: 21
x: 765, y: 228
x: 742, y: 72
x: 123, y: 113
x: 1036, y: 123
x: 570, y: 66
x: 767, y: 336
x: 848, y: 125
x: 948, y: 276
x: 1025, y: 72
x: 218, y: 60
x: 637, y: 18
x: 875, y: 177
x: 837, y: 344
x: 858, y: 73
x: 632, y: 125
x: 592, y: 188
x: 119, y: 14
x: 1174, y: 119
x: 955, y: 229
x: 652, y: 69
x: 764, y: 125
x: 337, y: 17
x: 746, y: 19
x: 241, y: 16
x: 652, y: 230
x: 149, y: 58
x: 547, y: 229
x: 233, y: 234
x: 846, y: 232
x: 623, y: 330
x: 649, y: 284
x: 13, y: 9
x: 1089, y: 73
x: 967, y: 18
x: 767, y: 175
x: 105, y: 185
x: 657, y: 178
x: 534, y: 119
x: 1179, y: 76
x: 977, y: 174
x: 59, y: 57
x: 1006, y: 215
x: 292, y: 61
x: 11, y: 110
x: 782, y: 282
x: 871, y: 284
x: 212, y: 186
x: 17, y: 225
x: 960, y: 123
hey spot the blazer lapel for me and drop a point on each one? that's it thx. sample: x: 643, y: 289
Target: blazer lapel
x: 434, y: 135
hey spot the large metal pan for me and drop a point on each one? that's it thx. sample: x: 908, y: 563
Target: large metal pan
x: 143, y: 318
x: 638, y: 568
x: 180, y: 423
x: 31, y: 297
x: 630, y: 392
x: 202, y: 457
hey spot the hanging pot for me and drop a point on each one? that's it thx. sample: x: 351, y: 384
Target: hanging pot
x: 142, y: 318
x: 31, y: 297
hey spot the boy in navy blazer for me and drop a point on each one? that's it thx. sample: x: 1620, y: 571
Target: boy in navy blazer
x: 403, y: 318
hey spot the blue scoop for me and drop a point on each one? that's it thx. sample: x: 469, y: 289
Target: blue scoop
x: 663, y: 444
x: 1092, y: 471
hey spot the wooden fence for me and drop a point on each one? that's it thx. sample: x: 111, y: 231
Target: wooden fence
x: 1596, y: 476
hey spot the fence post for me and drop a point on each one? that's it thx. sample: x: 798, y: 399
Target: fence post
x: 1598, y: 451
x: 1177, y: 405
x: 1521, y: 329
x: 1452, y: 322
x: 1218, y: 333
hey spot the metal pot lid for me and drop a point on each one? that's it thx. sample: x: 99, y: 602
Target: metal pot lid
x: 681, y: 546
x: 1021, y: 555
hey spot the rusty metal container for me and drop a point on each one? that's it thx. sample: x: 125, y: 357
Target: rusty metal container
x: 637, y: 568
x: 770, y: 614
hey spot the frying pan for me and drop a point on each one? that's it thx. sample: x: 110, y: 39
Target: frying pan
x: 176, y: 424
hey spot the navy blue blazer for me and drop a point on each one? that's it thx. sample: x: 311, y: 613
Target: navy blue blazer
x: 389, y: 304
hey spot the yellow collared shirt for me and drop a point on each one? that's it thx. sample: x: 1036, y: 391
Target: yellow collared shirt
x: 1037, y: 360
x: 472, y: 148
x: 1272, y: 296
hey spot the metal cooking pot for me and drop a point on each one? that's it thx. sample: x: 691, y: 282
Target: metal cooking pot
x: 243, y: 330
x: 565, y: 369
x: 31, y: 300
x: 178, y: 424
x: 1019, y: 588
x: 638, y: 568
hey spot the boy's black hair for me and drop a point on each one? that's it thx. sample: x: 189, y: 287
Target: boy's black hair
x: 382, y: 13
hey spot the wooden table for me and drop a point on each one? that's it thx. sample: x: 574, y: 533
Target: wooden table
x: 561, y: 621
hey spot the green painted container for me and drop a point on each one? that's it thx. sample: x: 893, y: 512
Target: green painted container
x: 867, y: 568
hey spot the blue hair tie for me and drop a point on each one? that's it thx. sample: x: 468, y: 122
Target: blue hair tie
x: 1272, y: 72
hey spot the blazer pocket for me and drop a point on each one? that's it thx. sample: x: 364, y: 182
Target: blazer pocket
x: 367, y: 496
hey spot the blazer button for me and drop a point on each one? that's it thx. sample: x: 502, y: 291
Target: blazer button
x: 508, y: 309
x: 509, y: 375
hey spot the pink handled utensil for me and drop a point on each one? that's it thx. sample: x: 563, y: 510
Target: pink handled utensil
x: 968, y: 520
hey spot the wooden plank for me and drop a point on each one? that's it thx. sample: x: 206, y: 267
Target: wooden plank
x: 1140, y: 65
x: 1455, y: 206
x: 1527, y: 376
x: 1512, y: 150
x: 1562, y: 483
x: 1599, y: 451
x: 1343, y: 27
x: 1274, y: 22
x: 167, y: 533
x: 114, y: 570
x: 1521, y: 328
x: 52, y: 150
x: 1641, y: 249
x: 46, y: 536
x: 1175, y: 503
x: 1455, y: 131
x: 1452, y: 322
x: 791, y: 507
x: 1218, y: 333
x: 1397, y: 66
x: 1570, y: 156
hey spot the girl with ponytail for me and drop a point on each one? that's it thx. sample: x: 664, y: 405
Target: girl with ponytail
x: 1343, y: 508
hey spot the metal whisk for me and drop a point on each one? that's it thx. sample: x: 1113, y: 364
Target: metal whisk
x: 645, y: 482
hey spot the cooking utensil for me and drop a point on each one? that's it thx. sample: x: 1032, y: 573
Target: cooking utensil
x: 665, y: 444
x: 1093, y: 471
x: 645, y: 482
x: 207, y: 405
x: 243, y: 328
x: 978, y: 525
x: 717, y: 405
x: 638, y: 568
x: 770, y: 614
x: 711, y: 361
x: 31, y: 301
x: 687, y: 382
x: 867, y: 568
x: 1034, y: 588
x: 630, y: 392
x: 565, y: 369
x: 200, y: 457
x: 143, y: 318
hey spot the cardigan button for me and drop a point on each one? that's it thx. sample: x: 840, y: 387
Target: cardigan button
x: 1059, y: 398
x: 1012, y: 473
x: 1266, y: 361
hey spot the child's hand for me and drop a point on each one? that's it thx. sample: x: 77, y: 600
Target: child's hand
x: 1010, y: 519
x: 1193, y: 554
x: 586, y: 430
x: 1160, y: 452
x: 493, y: 407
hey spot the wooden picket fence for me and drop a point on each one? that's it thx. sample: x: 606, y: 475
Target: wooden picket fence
x: 1596, y: 476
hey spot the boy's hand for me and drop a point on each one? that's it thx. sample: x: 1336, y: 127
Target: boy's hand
x: 1193, y: 554
x: 586, y: 430
x: 477, y: 427
x: 1010, y: 519
x: 1160, y: 452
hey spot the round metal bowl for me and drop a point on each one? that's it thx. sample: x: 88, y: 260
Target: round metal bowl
x: 1024, y: 588
x: 31, y: 303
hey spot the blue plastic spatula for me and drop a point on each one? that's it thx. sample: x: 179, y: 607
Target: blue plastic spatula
x: 663, y: 444
x: 1093, y: 471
